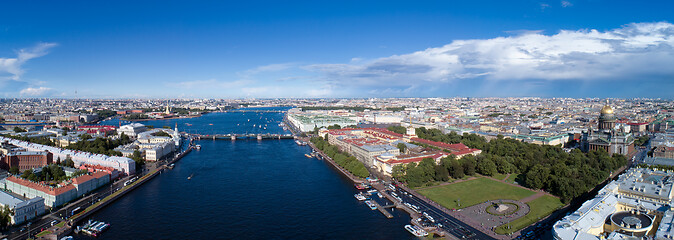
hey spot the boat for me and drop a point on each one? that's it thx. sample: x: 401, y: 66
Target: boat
x: 188, y: 124
x: 371, y: 205
x: 380, y: 196
x: 190, y: 177
x: 198, y: 147
x: 361, y: 186
x: 416, y: 231
x: 308, y: 156
x: 171, y: 166
x: 298, y: 142
x: 94, y: 228
x: 359, y: 196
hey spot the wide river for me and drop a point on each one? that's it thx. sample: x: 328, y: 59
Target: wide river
x: 246, y: 189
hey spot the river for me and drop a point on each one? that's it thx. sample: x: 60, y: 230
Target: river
x: 246, y: 189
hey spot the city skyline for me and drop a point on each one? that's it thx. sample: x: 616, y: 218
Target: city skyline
x: 350, y: 49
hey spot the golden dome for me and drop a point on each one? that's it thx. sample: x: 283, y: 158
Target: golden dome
x: 606, y: 110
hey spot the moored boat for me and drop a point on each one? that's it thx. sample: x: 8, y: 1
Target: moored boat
x: 359, y: 196
x: 416, y: 231
x: 371, y: 205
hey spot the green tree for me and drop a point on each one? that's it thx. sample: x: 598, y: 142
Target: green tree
x: 402, y: 147
x: 5, y: 217
x: 397, y: 129
x: 69, y: 162
x: 14, y: 170
x: 140, y: 161
x: 18, y: 130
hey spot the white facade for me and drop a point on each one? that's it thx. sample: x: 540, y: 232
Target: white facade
x: 122, y: 164
x: 132, y: 130
x: 24, y: 210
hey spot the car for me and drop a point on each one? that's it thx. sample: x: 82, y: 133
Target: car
x: 53, y: 223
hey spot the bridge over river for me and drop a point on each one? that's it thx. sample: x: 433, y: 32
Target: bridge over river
x: 241, y: 136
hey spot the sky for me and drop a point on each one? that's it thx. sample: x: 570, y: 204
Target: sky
x: 310, y: 49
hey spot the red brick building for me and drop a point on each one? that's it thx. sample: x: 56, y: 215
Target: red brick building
x: 26, y: 160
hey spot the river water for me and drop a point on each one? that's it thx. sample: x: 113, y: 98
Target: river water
x: 246, y: 189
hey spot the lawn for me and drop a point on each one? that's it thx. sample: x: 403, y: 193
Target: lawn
x: 512, y: 178
x: 500, y: 176
x: 539, y: 208
x: 473, y: 192
x: 45, y: 232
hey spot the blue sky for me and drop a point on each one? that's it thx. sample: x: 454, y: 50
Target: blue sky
x: 239, y: 49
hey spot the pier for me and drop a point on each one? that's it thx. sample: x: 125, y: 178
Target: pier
x: 382, y: 210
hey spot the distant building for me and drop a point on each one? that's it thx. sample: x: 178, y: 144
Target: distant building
x: 608, y: 137
x: 307, y: 123
x: 25, y: 160
x: 23, y: 210
x: 122, y: 164
x: 132, y: 130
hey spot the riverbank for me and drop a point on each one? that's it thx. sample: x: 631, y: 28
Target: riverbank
x: 60, y: 230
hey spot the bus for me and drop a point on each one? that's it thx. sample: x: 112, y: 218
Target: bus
x: 75, y: 211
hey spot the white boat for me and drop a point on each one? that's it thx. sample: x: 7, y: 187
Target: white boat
x: 416, y: 231
x: 198, y: 147
x: 359, y: 196
x: 371, y: 205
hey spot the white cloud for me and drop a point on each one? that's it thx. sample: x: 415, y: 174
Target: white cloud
x: 270, y: 68
x: 35, y: 92
x: 12, y: 66
x: 566, y: 4
x: 630, y: 52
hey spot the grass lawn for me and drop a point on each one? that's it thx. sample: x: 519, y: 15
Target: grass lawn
x: 473, y: 192
x: 61, y: 224
x: 500, y: 176
x: 539, y: 208
x: 512, y: 178
x: 45, y: 232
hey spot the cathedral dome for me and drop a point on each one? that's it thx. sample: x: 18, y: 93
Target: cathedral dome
x: 606, y: 110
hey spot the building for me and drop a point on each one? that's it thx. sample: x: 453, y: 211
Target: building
x: 377, y: 148
x: 60, y: 194
x: 25, y: 160
x: 307, y: 123
x: 663, y: 151
x: 608, y: 137
x: 637, y: 205
x: 23, y: 210
x: 132, y: 130
x: 122, y: 164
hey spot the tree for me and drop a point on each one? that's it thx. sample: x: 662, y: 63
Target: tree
x: 397, y: 129
x: 441, y: 173
x: 14, y: 170
x: 138, y: 159
x: 336, y: 126
x: 5, y: 216
x: 69, y: 162
x: 486, y: 166
x: 402, y: 147
x: 18, y: 130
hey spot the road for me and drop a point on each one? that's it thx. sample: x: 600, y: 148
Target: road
x: 449, y: 223
x: 36, y: 226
